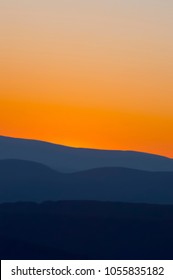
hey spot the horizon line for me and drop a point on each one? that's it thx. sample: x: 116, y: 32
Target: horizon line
x: 84, y: 148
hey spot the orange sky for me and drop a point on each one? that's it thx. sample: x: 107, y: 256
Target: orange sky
x: 96, y: 74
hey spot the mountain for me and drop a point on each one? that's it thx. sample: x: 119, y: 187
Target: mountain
x: 86, y: 230
x: 66, y: 159
x: 30, y: 181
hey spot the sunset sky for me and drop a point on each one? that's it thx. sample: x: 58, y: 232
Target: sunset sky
x: 94, y: 73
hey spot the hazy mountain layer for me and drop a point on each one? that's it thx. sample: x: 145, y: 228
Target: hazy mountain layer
x: 66, y: 159
x: 28, y: 181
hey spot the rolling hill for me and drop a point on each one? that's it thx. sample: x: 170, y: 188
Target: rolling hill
x: 66, y: 159
x: 30, y: 181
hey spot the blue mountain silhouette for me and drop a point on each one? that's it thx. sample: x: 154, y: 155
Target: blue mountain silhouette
x: 80, y: 194
x: 66, y: 159
x: 30, y: 181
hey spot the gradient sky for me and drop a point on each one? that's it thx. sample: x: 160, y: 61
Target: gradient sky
x: 95, y: 73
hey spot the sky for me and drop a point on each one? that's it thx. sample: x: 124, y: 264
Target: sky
x: 95, y: 73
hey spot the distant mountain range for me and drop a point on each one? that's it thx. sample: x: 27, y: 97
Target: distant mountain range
x: 66, y: 159
x: 30, y: 181
x: 68, y: 203
x: 86, y: 230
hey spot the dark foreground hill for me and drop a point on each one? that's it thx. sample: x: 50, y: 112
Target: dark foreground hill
x: 28, y: 181
x: 66, y: 159
x: 85, y: 230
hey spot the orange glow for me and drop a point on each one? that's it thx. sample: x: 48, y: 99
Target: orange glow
x: 88, y: 74
x: 87, y: 127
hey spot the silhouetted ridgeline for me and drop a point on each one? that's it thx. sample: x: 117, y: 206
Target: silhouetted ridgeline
x: 84, y: 222
x: 29, y: 181
x: 85, y: 230
x: 66, y: 159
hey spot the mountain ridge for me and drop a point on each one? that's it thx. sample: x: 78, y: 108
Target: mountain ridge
x: 80, y: 148
x: 27, y: 181
x: 68, y: 159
